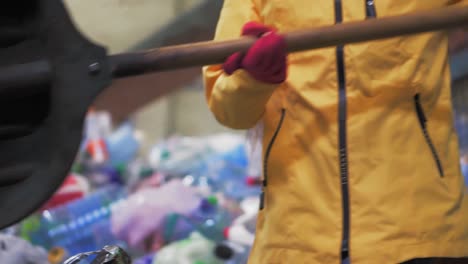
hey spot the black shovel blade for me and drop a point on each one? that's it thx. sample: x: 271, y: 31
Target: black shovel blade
x: 41, y: 126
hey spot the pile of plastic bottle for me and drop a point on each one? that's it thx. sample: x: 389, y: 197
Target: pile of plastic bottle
x: 189, y: 200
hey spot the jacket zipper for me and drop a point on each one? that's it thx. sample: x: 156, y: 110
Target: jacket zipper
x: 370, y: 9
x: 422, y: 121
x: 343, y: 151
x: 267, y: 156
x: 342, y: 114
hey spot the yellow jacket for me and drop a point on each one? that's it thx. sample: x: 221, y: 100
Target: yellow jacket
x: 360, y: 151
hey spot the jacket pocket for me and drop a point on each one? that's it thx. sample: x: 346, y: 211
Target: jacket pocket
x: 267, y: 155
x: 422, y: 122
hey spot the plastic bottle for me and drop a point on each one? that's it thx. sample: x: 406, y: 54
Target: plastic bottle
x: 229, y: 164
x: 229, y: 170
x: 242, y: 230
x: 101, y: 175
x: 200, y: 181
x: 231, y: 179
x: 232, y: 253
x: 18, y: 251
x: 196, y: 249
x: 240, y: 188
x: 98, y: 126
x: 135, y: 172
x: 176, y: 227
x: 180, y: 156
x: 148, y: 259
x: 464, y: 166
x: 254, y: 151
x: 239, y: 234
x: 123, y: 144
x: 208, y: 219
x: 80, y: 226
x: 250, y: 207
x: 73, y: 188
x: 212, y: 164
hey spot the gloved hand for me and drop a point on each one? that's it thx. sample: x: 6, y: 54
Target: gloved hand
x: 265, y: 60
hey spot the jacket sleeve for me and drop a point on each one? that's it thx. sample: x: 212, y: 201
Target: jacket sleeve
x: 237, y: 101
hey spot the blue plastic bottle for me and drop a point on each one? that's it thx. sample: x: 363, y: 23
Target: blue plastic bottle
x: 148, y: 259
x: 229, y: 172
x: 80, y: 226
x: 465, y: 173
x: 122, y: 145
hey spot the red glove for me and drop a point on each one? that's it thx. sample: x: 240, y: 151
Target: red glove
x: 265, y: 60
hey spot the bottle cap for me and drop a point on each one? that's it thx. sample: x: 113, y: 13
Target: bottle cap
x: 252, y: 181
x: 224, y: 252
x: 77, y: 168
x: 226, y: 232
x: 57, y: 255
x: 121, y: 168
x: 165, y: 154
x: 98, y: 150
x: 146, y: 172
x: 212, y: 200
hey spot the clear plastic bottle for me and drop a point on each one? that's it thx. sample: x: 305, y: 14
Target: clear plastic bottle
x: 196, y: 249
x: 180, y: 156
x: 98, y: 126
x: 208, y: 219
x: 242, y: 230
x: 18, y: 251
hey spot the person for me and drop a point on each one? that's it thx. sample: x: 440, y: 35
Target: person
x: 360, y: 154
